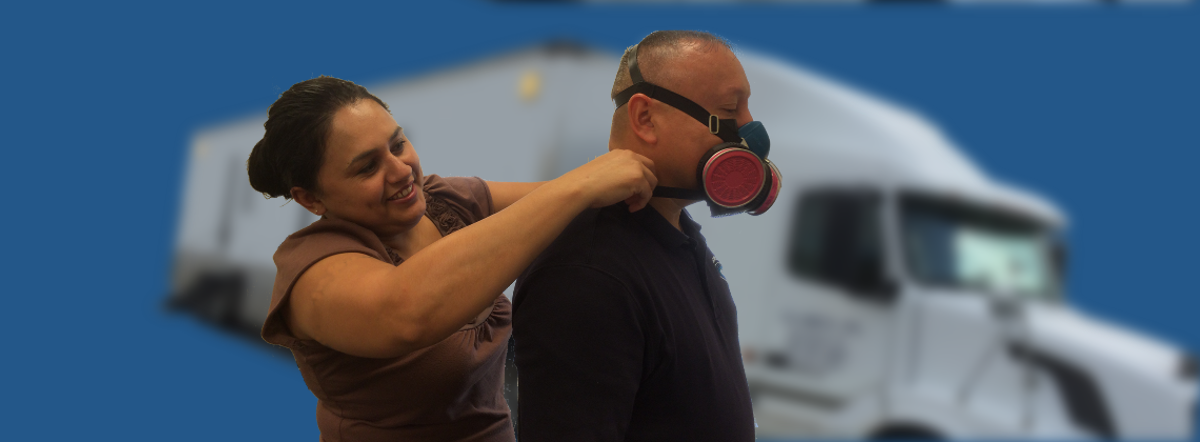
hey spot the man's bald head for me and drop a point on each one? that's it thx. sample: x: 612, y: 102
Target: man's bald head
x: 697, y: 66
x: 656, y: 52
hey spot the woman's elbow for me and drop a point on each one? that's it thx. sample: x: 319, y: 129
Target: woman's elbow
x: 407, y: 323
x: 404, y: 335
x: 407, y: 337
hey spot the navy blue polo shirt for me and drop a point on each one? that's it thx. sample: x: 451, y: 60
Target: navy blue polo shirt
x: 625, y: 331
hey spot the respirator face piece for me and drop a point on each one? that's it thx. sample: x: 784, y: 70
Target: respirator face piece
x: 735, y: 176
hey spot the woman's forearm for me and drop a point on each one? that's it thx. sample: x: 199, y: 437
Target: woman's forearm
x: 452, y: 280
x: 505, y: 194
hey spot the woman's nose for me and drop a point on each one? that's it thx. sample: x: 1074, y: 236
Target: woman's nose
x: 398, y: 171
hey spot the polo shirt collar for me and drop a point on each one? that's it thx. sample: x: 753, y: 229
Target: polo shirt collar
x: 663, y: 231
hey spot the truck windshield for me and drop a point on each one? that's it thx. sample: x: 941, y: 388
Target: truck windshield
x: 959, y: 245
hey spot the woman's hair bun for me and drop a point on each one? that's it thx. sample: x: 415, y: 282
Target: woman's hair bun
x: 263, y: 176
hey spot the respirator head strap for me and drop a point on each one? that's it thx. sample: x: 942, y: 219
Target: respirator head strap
x: 678, y: 193
x: 635, y: 73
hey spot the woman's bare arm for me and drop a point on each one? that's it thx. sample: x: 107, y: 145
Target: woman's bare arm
x: 361, y: 306
x: 504, y: 194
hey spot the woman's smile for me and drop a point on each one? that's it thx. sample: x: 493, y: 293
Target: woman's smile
x: 405, y: 195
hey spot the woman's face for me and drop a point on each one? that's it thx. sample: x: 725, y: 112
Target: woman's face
x: 371, y: 175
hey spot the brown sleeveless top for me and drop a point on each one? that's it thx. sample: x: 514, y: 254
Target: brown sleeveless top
x: 450, y: 391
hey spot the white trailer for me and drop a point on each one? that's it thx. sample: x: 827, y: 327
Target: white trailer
x: 895, y: 290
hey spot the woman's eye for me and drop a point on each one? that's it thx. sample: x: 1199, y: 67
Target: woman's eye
x: 397, y: 148
x: 370, y: 167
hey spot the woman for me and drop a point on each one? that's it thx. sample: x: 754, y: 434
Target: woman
x: 398, y: 326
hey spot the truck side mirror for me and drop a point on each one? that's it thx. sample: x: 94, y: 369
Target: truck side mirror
x: 1058, y: 254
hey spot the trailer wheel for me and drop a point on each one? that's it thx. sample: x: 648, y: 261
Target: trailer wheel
x: 214, y: 297
x: 905, y: 432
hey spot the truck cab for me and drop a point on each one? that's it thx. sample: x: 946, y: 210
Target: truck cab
x: 899, y: 291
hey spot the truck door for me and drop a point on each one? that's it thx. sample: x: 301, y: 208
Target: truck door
x: 961, y: 330
x: 834, y: 312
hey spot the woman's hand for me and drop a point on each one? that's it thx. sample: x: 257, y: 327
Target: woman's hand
x: 619, y: 175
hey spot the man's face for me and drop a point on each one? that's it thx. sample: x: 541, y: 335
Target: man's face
x: 714, y: 79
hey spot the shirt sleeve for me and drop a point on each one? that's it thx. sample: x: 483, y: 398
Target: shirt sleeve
x: 579, y: 354
x: 299, y: 252
x: 470, y: 196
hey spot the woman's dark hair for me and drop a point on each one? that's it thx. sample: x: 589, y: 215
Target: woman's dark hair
x: 291, y: 151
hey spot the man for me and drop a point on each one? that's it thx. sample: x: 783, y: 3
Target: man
x: 625, y: 329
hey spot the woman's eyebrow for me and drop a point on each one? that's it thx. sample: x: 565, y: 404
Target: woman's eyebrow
x: 362, y: 156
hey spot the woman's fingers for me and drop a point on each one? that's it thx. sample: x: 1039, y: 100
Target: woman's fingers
x: 619, y: 175
x: 638, y: 180
x: 643, y: 190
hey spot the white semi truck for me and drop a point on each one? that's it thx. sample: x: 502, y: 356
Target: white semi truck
x: 897, y: 290
x: 894, y: 290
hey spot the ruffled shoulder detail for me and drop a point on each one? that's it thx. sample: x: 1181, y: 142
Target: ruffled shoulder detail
x: 445, y: 218
x: 456, y: 202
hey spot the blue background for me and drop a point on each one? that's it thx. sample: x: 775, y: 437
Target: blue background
x: 1096, y: 107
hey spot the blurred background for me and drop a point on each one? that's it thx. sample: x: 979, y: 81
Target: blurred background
x: 1091, y: 106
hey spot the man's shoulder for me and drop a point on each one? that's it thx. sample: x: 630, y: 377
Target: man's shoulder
x: 598, y: 238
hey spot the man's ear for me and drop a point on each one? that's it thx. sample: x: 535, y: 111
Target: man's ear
x: 640, y: 121
x: 309, y: 200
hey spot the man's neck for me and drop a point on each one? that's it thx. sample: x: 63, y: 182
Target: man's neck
x: 671, y: 209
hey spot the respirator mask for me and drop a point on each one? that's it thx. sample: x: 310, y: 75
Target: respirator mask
x: 735, y: 176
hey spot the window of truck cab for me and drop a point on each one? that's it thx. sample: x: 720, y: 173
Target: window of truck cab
x: 966, y: 245
x: 836, y: 239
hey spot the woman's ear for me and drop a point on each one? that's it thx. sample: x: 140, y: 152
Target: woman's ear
x: 640, y: 121
x: 309, y: 200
